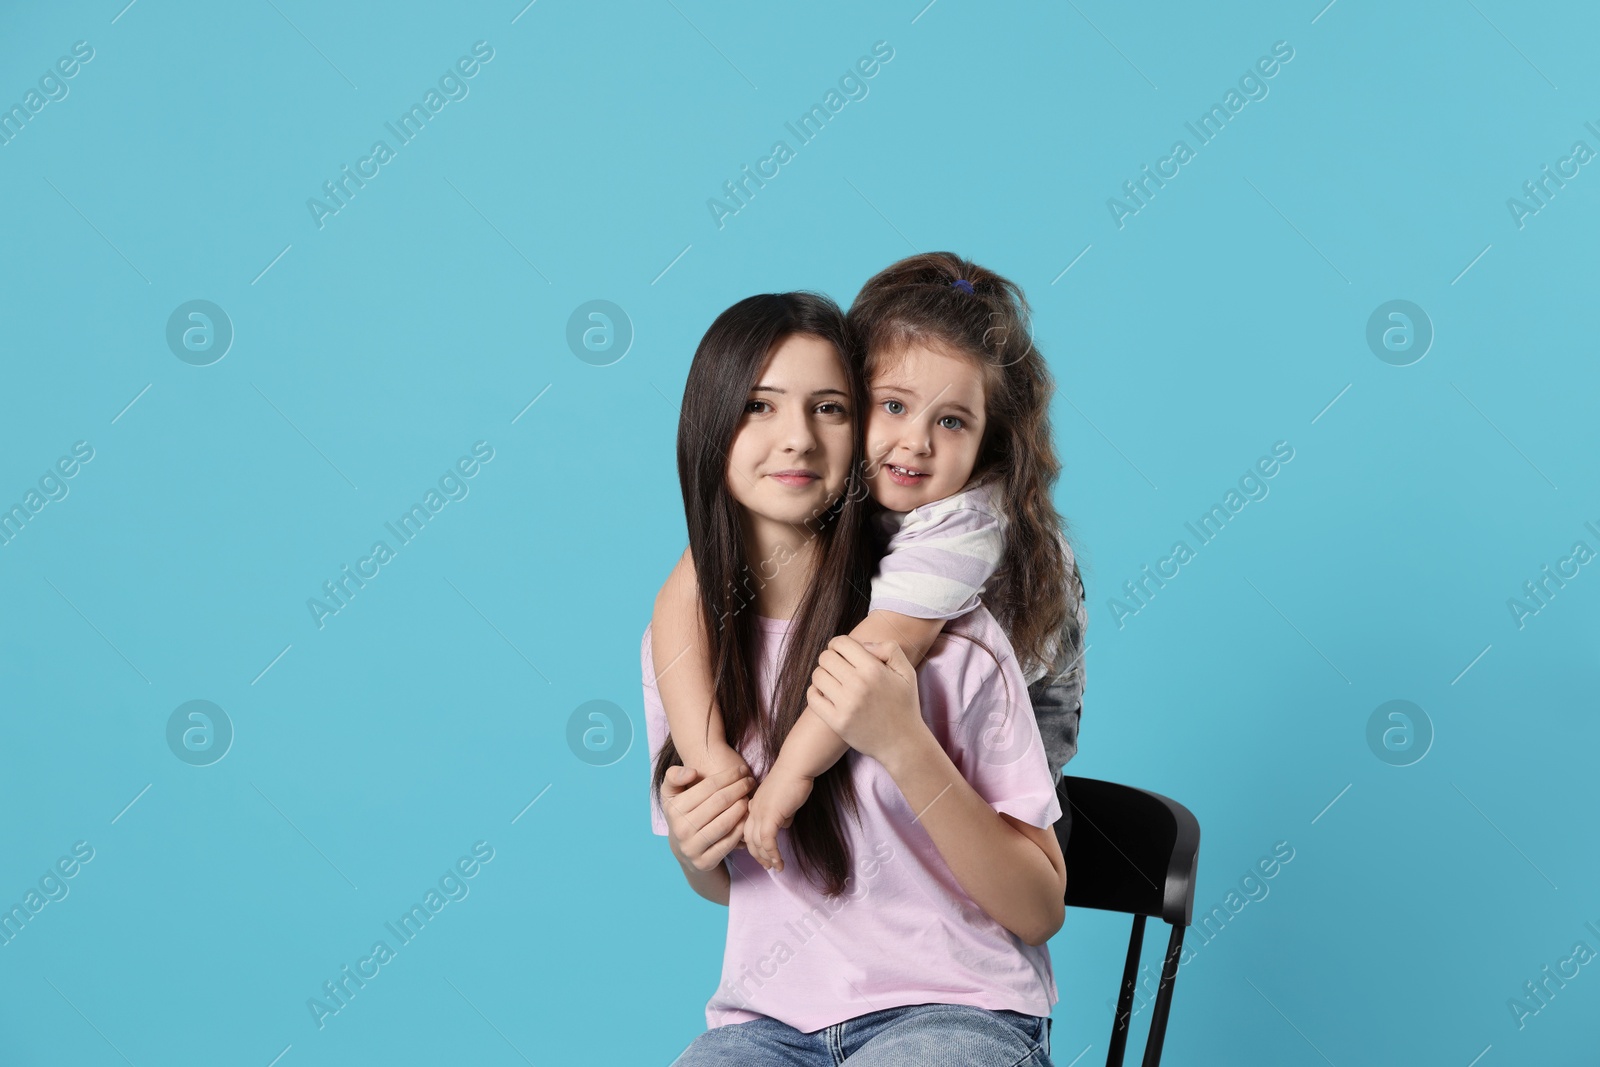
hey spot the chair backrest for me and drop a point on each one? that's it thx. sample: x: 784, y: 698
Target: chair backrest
x: 1128, y: 850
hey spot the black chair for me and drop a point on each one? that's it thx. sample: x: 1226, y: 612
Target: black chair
x: 1131, y: 851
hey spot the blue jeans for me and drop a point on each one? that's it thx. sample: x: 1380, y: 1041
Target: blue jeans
x: 916, y: 1035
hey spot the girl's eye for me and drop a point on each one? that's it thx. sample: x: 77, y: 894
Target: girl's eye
x: 891, y: 405
x: 750, y: 408
x: 951, y: 418
x: 831, y: 407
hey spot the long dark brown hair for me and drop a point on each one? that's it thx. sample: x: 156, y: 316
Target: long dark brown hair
x: 726, y: 365
x: 917, y: 301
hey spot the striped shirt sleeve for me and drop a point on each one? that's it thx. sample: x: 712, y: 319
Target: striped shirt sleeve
x: 940, y: 558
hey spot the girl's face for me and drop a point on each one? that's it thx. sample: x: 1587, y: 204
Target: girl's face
x: 790, y: 457
x: 924, y: 427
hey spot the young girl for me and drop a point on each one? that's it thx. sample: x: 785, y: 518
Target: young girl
x: 926, y: 941
x: 959, y: 455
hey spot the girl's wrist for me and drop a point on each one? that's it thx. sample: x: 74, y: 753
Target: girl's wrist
x: 917, y: 750
x: 784, y: 765
x: 720, y: 755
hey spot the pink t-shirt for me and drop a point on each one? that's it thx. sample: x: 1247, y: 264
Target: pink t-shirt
x: 904, y: 931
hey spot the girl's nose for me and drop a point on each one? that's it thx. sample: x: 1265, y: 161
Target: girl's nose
x: 799, y: 433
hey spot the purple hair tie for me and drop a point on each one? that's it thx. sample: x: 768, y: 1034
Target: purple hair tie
x: 963, y: 285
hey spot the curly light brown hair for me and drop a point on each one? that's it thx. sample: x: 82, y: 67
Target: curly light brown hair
x: 986, y: 318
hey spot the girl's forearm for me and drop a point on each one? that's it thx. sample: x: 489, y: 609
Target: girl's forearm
x: 1005, y: 873
x: 690, y: 734
x: 812, y: 746
x: 693, y: 733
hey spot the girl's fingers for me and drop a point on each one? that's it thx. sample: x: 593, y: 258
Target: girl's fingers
x: 753, y: 838
x: 701, y: 821
x: 719, y: 802
x: 690, y: 798
x: 767, y: 837
x: 894, y: 657
x: 769, y: 845
x: 849, y: 649
x: 716, y: 831
x: 827, y: 685
x: 835, y: 670
x: 672, y: 790
x: 747, y: 832
x: 762, y: 840
x: 738, y: 788
x: 717, y: 852
x: 834, y: 663
x: 852, y: 661
x: 821, y: 674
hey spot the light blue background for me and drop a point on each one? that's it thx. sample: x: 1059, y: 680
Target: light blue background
x: 1228, y: 314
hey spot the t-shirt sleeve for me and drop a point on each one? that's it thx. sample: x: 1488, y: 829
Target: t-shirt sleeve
x: 655, y: 721
x: 937, y: 565
x: 996, y: 742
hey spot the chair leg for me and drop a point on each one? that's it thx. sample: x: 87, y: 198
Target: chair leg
x: 1130, y: 976
x: 1158, y: 1017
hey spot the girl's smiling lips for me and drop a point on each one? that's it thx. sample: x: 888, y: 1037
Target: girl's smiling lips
x: 796, y: 476
x: 903, y: 475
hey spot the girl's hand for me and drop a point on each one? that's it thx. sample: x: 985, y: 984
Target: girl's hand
x: 721, y: 756
x: 867, y: 694
x: 772, y: 809
x: 705, y: 816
